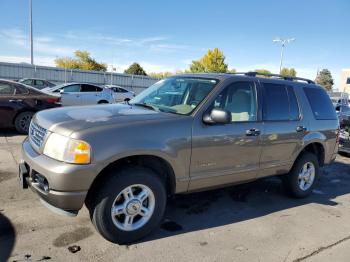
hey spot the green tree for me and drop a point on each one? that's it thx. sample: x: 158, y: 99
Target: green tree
x: 212, y: 62
x: 135, y: 69
x: 324, y: 78
x: 288, y: 72
x: 81, y: 60
x: 262, y: 71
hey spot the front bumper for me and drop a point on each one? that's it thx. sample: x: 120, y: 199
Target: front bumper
x: 67, y: 184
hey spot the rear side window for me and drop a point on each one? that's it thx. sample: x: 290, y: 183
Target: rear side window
x: 294, y: 113
x: 20, y: 90
x: 280, y: 103
x: 6, y: 89
x: 90, y: 88
x: 320, y: 103
x: 71, y: 88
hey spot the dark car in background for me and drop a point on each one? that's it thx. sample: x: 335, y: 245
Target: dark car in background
x: 19, y: 102
x: 343, y: 113
x: 36, y: 83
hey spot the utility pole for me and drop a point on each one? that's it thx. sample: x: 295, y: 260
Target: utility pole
x: 31, y: 31
x: 283, y: 43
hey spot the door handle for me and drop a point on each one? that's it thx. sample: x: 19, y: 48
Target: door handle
x: 301, y: 129
x: 15, y: 100
x: 252, y: 132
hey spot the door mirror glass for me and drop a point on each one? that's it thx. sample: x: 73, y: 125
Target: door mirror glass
x: 217, y: 116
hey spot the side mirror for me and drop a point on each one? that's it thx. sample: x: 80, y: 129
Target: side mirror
x: 217, y: 116
x: 61, y: 91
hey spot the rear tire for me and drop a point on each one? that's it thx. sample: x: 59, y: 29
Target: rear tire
x: 119, y: 197
x: 22, y: 122
x: 103, y: 102
x: 300, y: 181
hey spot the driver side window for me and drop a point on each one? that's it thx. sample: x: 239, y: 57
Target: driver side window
x: 240, y: 100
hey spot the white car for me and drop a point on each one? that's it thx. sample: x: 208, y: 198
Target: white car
x: 82, y: 94
x: 120, y: 94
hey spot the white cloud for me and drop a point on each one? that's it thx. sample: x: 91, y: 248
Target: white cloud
x: 41, y: 44
x: 39, y: 60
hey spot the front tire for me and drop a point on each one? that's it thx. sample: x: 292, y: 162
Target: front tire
x: 128, y: 205
x: 22, y: 122
x: 300, y: 181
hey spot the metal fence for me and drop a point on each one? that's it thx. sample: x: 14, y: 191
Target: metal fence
x: 60, y: 75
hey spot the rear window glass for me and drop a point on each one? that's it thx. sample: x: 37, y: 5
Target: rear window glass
x: 320, y: 103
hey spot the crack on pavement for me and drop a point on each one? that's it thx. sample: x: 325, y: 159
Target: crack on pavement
x: 321, y: 249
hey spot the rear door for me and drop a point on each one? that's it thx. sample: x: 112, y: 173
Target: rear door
x: 284, y: 128
x: 71, y: 95
x: 90, y: 94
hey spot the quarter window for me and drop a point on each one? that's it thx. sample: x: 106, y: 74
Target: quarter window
x: 240, y: 100
x: 320, y: 103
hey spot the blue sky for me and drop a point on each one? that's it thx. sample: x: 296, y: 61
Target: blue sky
x: 167, y: 35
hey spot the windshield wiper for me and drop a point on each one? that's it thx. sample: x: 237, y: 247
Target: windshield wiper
x: 149, y: 106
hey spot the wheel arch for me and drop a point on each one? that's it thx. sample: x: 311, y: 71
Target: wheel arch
x: 103, y: 101
x: 316, y: 148
x: 22, y: 111
x: 157, y: 164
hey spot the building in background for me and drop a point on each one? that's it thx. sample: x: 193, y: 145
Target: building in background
x: 345, y: 81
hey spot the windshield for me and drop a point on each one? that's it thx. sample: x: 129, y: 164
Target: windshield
x: 178, y: 95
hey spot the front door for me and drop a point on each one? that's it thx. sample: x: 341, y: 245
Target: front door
x: 71, y: 95
x: 223, y: 154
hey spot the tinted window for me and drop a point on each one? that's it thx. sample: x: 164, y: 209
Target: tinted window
x: 348, y: 81
x: 72, y: 88
x: 122, y: 90
x: 21, y: 90
x: 320, y: 103
x: 39, y: 83
x: 240, y: 100
x: 90, y: 88
x: 276, y: 104
x: 294, y: 113
x: 6, y: 89
x: 27, y: 82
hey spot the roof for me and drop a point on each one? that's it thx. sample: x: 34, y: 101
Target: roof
x: 251, y: 76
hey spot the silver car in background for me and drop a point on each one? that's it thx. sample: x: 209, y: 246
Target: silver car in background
x: 121, y: 94
x: 73, y: 94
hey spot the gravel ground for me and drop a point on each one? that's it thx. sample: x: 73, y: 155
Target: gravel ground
x: 252, y: 222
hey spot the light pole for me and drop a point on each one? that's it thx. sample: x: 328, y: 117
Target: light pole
x: 283, y: 43
x: 31, y: 31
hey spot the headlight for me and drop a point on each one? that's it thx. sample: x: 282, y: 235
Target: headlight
x: 67, y: 149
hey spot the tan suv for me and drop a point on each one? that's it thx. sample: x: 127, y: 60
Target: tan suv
x: 185, y: 133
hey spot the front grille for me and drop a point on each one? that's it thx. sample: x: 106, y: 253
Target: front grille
x: 36, y: 135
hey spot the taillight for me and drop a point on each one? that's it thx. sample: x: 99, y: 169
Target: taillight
x: 52, y: 100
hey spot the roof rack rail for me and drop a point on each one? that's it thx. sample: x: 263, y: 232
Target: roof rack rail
x: 290, y: 78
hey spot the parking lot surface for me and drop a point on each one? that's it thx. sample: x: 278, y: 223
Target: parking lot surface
x: 252, y: 222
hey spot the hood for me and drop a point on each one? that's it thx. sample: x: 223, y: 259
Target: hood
x: 67, y: 120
